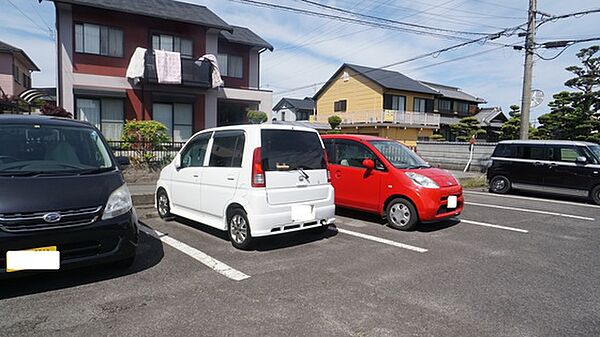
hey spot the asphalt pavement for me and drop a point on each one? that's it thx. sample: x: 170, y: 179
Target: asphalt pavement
x: 508, y: 266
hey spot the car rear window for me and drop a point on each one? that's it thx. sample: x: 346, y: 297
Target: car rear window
x: 284, y: 150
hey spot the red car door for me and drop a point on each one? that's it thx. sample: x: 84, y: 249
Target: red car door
x: 355, y: 186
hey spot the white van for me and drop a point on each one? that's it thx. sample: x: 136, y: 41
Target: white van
x: 251, y: 180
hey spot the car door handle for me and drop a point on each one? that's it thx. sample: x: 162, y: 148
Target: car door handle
x: 537, y: 163
x: 231, y: 178
x: 552, y: 165
x: 196, y: 176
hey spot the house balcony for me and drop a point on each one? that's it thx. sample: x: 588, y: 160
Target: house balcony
x: 407, y: 118
x: 194, y: 73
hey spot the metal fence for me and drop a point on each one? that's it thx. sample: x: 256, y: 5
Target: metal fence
x: 146, y: 152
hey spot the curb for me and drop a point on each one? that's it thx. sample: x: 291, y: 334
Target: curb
x: 142, y: 199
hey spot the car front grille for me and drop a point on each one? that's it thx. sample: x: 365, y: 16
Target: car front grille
x: 31, y: 222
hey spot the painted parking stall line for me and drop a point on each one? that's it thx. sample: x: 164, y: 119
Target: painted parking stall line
x: 382, y: 240
x: 484, y: 224
x: 580, y: 204
x: 198, y: 255
x: 530, y: 211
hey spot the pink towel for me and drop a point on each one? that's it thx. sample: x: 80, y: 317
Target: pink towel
x: 168, y: 67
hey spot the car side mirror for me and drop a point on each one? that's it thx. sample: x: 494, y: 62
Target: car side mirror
x: 581, y: 160
x: 123, y: 161
x: 369, y: 164
x: 177, y: 161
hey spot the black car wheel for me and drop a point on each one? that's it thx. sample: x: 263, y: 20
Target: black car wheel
x: 239, y: 229
x: 163, y: 205
x: 401, y: 214
x: 596, y: 195
x: 500, y: 185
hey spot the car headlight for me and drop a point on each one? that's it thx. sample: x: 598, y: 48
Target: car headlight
x: 118, y: 203
x: 421, y: 180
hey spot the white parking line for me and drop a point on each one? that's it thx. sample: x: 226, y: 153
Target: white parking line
x: 494, y: 226
x: 381, y: 240
x: 207, y: 260
x: 530, y: 211
x: 531, y: 198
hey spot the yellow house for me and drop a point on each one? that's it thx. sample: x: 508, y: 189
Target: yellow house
x: 379, y: 102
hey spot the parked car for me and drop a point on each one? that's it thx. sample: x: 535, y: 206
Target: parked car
x: 553, y: 166
x: 384, y: 177
x: 61, y: 190
x: 250, y: 180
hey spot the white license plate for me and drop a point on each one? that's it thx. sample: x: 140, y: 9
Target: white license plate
x: 302, y: 213
x: 452, y: 201
x: 44, y: 258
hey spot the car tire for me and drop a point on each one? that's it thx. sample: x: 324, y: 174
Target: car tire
x: 401, y: 214
x: 238, y: 229
x: 163, y: 205
x: 500, y: 185
x: 595, y: 195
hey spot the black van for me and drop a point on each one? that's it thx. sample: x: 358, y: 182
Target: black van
x: 61, y: 189
x: 553, y: 166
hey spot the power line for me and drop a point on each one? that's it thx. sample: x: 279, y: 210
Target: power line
x: 30, y: 19
x: 413, y: 25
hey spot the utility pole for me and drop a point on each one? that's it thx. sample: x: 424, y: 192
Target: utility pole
x: 528, y: 72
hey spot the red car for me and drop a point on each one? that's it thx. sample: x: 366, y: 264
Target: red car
x: 382, y: 176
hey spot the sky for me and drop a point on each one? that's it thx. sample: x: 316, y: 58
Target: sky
x: 309, y: 49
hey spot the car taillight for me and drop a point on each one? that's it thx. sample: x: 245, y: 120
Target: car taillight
x: 327, y: 166
x: 258, y: 174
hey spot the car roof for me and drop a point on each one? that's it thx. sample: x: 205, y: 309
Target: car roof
x: 546, y: 142
x: 42, y: 119
x: 364, y: 138
x: 248, y: 127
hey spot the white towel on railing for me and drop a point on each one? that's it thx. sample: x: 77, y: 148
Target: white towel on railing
x: 135, y: 69
x: 217, y: 81
x: 168, y: 67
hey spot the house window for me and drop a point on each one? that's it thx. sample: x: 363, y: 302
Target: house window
x: 462, y: 108
x: 98, y: 40
x: 231, y: 65
x: 394, y: 102
x: 16, y: 74
x: 177, y: 117
x: 444, y: 105
x: 419, y: 104
x: 173, y: 43
x: 340, y: 106
x: 104, y: 113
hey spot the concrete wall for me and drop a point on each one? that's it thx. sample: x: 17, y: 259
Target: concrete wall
x: 454, y: 156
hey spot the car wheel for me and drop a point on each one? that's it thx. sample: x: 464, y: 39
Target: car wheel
x: 163, y: 205
x: 239, y: 229
x: 401, y: 214
x: 596, y: 195
x: 500, y: 185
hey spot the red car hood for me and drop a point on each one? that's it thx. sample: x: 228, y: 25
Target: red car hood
x: 441, y: 177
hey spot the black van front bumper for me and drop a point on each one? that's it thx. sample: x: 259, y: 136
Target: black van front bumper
x: 101, y: 242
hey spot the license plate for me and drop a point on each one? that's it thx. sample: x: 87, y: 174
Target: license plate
x: 41, y: 258
x: 302, y: 213
x: 452, y: 201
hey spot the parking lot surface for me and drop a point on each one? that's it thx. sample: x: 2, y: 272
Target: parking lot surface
x: 509, y: 266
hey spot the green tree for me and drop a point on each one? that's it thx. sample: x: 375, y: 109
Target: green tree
x: 144, y: 137
x: 574, y: 115
x: 334, y: 121
x: 466, y: 128
x: 256, y: 117
x: 437, y: 138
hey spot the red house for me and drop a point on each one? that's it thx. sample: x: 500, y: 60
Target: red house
x: 96, y: 39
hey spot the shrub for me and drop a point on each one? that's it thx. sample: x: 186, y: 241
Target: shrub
x: 52, y: 110
x: 256, y: 117
x: 144, y: 137
x: 437, y: 138
x: 334, y: 121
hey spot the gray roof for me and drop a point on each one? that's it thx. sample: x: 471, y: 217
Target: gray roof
x: 5, y: 47
x: 486, y: 115
x: 164, y: 9
x: 301, y: 104
x: 307, y: 124
x: 243, y: 35
x: 387, y: 79
x: 453, y: 92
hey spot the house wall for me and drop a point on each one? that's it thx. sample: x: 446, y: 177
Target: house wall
x: 408, y: 136
x: 6, y: 73
x: 23, y: 68
x: 290, y: 115
x: 237, y: 50
x: 410, y: 97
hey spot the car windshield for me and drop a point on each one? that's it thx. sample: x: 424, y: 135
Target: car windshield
x: 37, y: 149
x: 399, y: 155
x: 596, y: 150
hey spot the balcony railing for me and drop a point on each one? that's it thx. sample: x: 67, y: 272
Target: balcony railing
x: 391, y: 116
x: 194, y: 73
